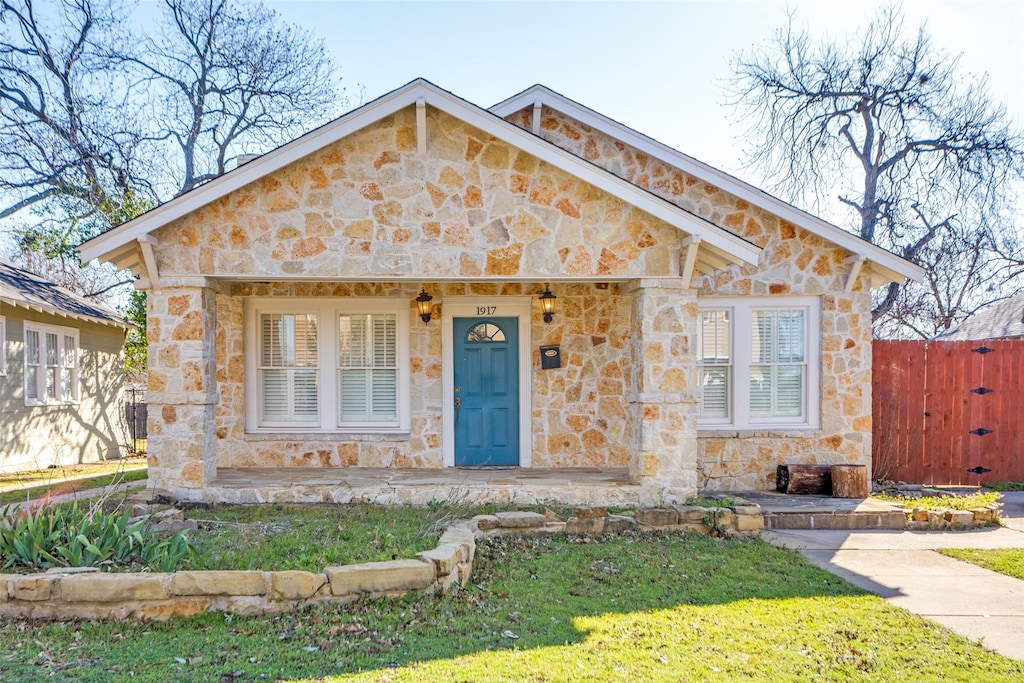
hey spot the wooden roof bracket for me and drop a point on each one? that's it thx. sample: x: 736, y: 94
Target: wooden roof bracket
x: 689, y: 261
x: 856, y: 262
x: 421, y: 126
x: 149, y: 258
x: 535, y: 123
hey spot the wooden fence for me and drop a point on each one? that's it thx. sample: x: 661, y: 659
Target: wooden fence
x: 948, y: 412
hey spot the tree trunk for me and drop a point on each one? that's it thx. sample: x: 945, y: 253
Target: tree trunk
x: 849, y: 481
x: 804, y: 479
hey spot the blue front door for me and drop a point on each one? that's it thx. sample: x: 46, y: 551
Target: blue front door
x: 486, y: 391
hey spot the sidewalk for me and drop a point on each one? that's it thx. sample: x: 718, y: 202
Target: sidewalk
x: 903, y: 568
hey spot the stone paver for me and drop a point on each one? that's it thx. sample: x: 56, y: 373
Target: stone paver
x: 903, y: 568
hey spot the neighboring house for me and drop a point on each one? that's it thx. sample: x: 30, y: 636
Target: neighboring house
x: 1001, y: 320
x: 706, y: 331
x: 60, y: 375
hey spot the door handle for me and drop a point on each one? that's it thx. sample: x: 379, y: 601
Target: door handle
x: 458, y: 403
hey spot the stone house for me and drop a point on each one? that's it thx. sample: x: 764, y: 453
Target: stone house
x: 700, y: 333
x: 60, y: 375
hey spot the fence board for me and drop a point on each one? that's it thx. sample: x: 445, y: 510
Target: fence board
x: 924, y: 411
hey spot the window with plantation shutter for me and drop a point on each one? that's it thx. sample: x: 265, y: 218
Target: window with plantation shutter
x: 3, y: 345
x: 288, y: 368
x: 367, y: 368
x: 778, y: 365
x: 757, y: 361
x: 333, y: 365
x: 51, y: 364
x: 714, y: 358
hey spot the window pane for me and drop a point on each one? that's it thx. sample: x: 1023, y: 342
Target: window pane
x: 367, y: 367
x: 714, y: 392
x: 289, y: 395
x: 288, y: 340
x: 288, y: 374
x: 778, y: 349
x: 714, y: 337
x: 776, y: 390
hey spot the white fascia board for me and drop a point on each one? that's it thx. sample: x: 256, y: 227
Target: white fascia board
x: 101, y: 246
x: 893, y: 266
x: 61, y: 313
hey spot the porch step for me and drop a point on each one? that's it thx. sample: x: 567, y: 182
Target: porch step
x: 785, y: 511
x: 835, y: 520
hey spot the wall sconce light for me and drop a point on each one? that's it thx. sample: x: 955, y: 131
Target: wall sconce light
x: 423, y: 305
x: 547, y: 304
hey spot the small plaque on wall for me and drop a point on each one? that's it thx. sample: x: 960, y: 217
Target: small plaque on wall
x: 550, y: 357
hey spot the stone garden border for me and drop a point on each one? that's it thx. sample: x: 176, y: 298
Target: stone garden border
x: 86, y: 593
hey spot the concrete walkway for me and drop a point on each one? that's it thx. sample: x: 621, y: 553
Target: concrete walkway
x: 903, y: 568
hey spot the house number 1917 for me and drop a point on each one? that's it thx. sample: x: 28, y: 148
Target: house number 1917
x: 486, y: 310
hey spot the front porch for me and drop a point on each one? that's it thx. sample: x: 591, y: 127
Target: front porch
x: 409, y: 486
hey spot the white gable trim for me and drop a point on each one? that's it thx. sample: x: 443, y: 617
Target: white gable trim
x: 719, y: 242
x: 886, y: 266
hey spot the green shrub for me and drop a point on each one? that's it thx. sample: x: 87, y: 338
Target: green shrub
x: 969, y: 502
x: 72, y: 536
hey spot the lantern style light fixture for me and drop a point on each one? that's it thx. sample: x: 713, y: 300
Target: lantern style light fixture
x: 423, y: 305
x: 547, y: 304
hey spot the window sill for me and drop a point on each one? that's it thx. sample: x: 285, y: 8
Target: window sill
x: 723, y: 432
x: 313, y: 435
x: 51, y: 404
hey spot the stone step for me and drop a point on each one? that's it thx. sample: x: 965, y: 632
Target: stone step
x: 835, y: 519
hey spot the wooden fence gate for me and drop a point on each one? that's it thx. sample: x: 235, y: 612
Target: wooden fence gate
x: 948, y: 412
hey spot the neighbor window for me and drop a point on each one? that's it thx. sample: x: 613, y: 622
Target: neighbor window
x: 328, y: 364
x: 757, y: 362
x: 51, y: 364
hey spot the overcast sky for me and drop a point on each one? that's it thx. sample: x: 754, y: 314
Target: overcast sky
x: 658, y: 67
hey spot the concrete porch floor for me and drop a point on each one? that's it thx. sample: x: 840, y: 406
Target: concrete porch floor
x: 526, y: 486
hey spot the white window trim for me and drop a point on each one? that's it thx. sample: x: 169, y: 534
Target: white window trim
x: 76, y: 389
x: 3, y: 346
x: 741, y: 310
x: 327, y: 310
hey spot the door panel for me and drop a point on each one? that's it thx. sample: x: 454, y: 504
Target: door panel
x: 486, y: 391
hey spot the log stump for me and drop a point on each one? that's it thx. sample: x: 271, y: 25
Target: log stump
x: 804, y: 479
x: 849, y: 481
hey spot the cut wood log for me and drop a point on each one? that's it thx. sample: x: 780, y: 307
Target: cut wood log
x: 849, y: 481
x: 804, y: 479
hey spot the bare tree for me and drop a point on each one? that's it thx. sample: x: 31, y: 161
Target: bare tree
x: 97, y: 125
x: 917, y: 156
x: 223, y: 75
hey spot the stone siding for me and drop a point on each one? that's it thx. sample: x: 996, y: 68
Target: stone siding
x: 794, y: 262
x: 369, y: 206
x: 579, y: 411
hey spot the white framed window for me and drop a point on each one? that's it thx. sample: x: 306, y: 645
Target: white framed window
x: 758, y: 362
x: 3, y: 345
x: 332, y: 365
x: 51, y: 365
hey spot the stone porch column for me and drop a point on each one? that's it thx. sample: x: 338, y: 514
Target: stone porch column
x: 182, y: 394
x: 663, y: 394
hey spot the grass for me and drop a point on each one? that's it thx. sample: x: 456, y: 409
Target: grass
x: 1009, y: 561
x: 307, y: 537
x: 71, y: 486
x: 969, y: 502
x: 1005, y: 485
x: 645, y: 607
x: 50, y: 474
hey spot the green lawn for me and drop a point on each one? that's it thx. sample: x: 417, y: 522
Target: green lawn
x: 307, y: 537
x: 647, y: 607
x: 79, y: 484
x: 1009, y: 561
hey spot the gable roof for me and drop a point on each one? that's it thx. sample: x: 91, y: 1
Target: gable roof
x: 127, y: 244
x: 715, y: 245
x: 23, y: 289
x: 887, y: 267
x: 1001, y: 320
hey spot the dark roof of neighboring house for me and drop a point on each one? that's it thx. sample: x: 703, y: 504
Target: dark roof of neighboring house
x: 1002, y: 320
x: 23, y: 289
